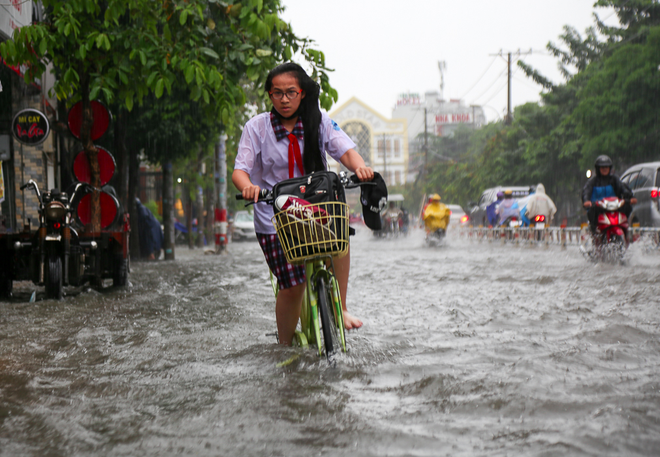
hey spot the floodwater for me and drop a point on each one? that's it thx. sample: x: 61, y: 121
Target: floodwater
x: 468, y: 349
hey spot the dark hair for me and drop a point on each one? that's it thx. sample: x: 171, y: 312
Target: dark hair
x: 309, y: 112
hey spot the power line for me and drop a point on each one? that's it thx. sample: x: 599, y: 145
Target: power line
x: 491, y: 85
x: 496, y: 93
x: 482, y: 75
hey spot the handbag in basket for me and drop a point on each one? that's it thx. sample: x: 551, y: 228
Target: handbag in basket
x: 310, y: 214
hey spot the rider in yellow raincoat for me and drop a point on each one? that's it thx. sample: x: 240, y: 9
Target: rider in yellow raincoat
x: 436, y: 215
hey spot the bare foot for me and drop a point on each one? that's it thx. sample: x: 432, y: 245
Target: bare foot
x: 351, y: 322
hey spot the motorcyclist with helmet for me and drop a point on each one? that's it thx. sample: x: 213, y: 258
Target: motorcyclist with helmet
x: 601, y: 185
x: 392, y: 218
x: 539, y: 204
x: 508, y: 208
x: 436, y: 215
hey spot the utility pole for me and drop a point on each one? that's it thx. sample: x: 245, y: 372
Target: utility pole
x: 508, y: 90
x: 509, y: 114
x: 426, y: 140
x: 384, y: 157
x: 220, y: 217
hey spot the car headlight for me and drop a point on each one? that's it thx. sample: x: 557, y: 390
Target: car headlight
x: 55, y: 211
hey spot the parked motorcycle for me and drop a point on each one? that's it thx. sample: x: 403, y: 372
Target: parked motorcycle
x: 610, y: 242
x: 53, y: 256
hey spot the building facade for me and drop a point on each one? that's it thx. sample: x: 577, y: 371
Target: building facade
x: 382, y: 142
x: 432, y: 115
x: 20, y: 163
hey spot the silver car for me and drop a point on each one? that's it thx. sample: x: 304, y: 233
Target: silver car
x: 243, y: 227
x: 644, y: 180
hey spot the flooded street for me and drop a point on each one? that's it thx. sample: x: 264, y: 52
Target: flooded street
x: 467, y: 349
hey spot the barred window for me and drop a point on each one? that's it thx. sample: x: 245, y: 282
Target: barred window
x: 359, y: 133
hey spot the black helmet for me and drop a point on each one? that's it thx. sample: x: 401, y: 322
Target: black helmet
x: 603, y: 161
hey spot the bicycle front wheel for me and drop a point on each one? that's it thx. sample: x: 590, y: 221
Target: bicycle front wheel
x: 328, y: 324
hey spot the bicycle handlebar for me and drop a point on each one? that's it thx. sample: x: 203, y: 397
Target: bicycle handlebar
x: 266, y: 195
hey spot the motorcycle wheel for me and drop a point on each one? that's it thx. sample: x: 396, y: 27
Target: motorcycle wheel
x: 616, y: 248
x: 120, y: 273
x: 54, y: 287
x: 6, y: 286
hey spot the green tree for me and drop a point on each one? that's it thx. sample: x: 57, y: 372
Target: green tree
x: 125, y: 50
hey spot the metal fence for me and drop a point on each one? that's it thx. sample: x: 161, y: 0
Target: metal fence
x: 562, y: 236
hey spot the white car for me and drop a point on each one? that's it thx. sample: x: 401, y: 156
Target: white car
x: 458, y: 218
x: 243, y: 227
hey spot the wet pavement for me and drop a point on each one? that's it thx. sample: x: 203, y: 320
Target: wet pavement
x: 467, y: 349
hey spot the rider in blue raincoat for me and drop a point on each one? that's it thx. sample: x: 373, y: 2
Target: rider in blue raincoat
x: 508, y: 207
x: 522, y: 203
x: 491, y: 210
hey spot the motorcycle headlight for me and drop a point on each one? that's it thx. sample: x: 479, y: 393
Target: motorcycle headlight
x: 55, y: 211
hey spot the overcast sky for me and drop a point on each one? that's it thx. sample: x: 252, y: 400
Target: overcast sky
x: 381, y: 48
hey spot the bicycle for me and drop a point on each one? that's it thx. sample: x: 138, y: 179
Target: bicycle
x: 313, y: 236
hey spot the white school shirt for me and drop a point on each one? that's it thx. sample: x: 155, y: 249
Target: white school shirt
x: 266, y: 160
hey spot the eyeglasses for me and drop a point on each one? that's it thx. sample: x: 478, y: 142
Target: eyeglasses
x: 290, y: 94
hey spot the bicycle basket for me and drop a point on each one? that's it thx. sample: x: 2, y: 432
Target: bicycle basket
x: 311, y: 230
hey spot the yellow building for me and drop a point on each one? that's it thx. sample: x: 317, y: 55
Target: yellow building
x: 382, y: 142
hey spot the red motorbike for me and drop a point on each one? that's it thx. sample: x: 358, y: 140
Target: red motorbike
x: 610, y: 242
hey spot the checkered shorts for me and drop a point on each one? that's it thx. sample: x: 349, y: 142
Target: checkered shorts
x: 287, y: 275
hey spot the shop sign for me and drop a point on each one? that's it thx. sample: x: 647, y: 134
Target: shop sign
x: 458, y: 118
x: 30, y: 127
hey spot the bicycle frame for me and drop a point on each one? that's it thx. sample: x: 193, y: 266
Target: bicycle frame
x: 309, y: 315
x: 310, y: 329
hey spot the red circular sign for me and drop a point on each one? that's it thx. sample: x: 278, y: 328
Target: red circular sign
x: 106, y: 167
x: 109, y: 209
x: 101, y: 119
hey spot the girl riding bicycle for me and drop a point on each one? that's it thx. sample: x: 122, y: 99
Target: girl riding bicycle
x: 290, y: 141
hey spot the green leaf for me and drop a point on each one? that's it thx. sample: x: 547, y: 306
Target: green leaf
x: 263, y: 52
x: 210, y: 52
x: 166, y: 32
x: 183, y: 17
x: 207, y: 98
x: 160, y: 85
x: 67, y: 29
x: 129, y: 101
x: 260, y: 5
x: 83, y: 51
x: 94, y: 92
x: 225, y: 116
x: 151, y: 78
x: 143, y: 58
x: 190, y: 74
x: 43, y: 46
x: 288, y: 53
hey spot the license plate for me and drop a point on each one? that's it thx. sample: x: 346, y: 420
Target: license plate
x: 540, y: 225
